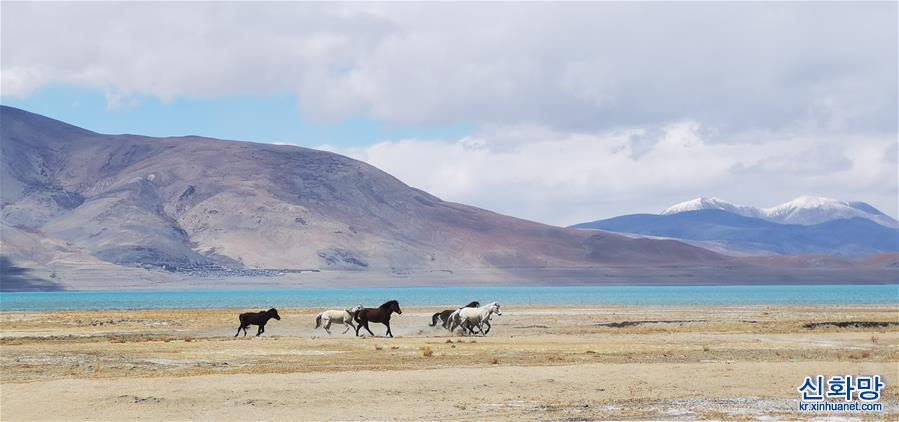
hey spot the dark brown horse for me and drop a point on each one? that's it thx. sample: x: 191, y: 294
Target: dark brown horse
x: 443, y: 315
x: 256, y: 318
x: 380, y: 314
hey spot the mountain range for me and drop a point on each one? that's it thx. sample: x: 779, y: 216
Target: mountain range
x: 84, y: 210
x: 804, y: 210
x: 805, y: 225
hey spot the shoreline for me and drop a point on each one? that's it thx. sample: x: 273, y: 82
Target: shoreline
x: 255, y: 284
x: 454, y: 306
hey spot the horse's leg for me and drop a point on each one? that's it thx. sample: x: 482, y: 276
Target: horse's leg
x: 245, y: 330
x: 359, y: 322
x: 387, y: 323
x: 466, y: 326
x: 480, y: 328
x: 487, y: 322
x: 451, y: 323
x: 348, y: 325
x: 261, y: 330
x: 328, y: 326
x: 238, y: 331
x: 368, y: 329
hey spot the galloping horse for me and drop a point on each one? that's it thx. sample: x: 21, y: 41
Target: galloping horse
x: 443, y: 315
x: 256, y: 318
x: 342, y: 316
x: 380, y: 314
x: 474, y: 316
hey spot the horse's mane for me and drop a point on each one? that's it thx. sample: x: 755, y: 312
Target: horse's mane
x: 388, y: 304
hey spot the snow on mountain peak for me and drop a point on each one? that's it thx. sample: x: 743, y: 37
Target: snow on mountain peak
x: 807, y: 201
x: 803, y: 210
x: 701, y: 203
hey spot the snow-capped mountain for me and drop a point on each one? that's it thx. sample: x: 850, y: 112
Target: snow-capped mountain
x: 703, y: 203
x: 805, y: 210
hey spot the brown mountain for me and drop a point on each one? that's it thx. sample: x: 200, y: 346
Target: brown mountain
x: 89, y: 210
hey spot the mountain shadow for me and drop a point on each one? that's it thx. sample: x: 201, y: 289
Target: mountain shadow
x: 16, y: 279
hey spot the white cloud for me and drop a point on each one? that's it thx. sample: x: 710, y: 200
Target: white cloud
x: 566, y: 178
x: 573, y: 66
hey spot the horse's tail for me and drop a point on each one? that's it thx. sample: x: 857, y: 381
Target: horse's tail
x: 434, y: 320
x: 318, y: 320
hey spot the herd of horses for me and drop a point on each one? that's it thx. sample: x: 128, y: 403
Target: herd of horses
x: 468, y: 317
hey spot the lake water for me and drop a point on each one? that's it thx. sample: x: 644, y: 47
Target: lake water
x: 428, y: 296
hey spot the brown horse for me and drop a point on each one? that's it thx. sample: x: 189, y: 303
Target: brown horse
x: 256, y: 318
x: 443, y: 315
x: 380, y: 314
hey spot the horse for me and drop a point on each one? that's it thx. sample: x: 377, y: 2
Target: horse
x: 256, y: 318
x: 474, y: 316
x: 442, y: 315
x: 380, y: 314
x: 343, y: 316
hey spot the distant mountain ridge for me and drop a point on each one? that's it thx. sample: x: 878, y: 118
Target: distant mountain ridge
x: 805, y: 210
x: 82, y: 210
x: 728, y: 232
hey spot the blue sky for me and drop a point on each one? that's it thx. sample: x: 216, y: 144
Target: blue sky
x: 555, y: 112
x: 269, y: 118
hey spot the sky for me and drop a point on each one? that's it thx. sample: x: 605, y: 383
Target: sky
x: 559, y: 113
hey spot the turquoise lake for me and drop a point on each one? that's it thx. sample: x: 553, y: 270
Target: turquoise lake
x: 428, y: 296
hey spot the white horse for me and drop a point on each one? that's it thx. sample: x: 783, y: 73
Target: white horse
x: 474, y: 316
x: 342, y: 316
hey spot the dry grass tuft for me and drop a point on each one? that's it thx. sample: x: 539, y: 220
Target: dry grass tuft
x: 494, y: 361
x: 379, y: 347
x: 706, y: 348
x: 875, y: 339
x: 426, y: 351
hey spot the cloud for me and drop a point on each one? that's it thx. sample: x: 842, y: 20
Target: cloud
x: 572, y: 67
x: 581, y: 110
x: 565, y: 178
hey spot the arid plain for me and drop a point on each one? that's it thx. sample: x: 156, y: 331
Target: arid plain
x: 561, y: 363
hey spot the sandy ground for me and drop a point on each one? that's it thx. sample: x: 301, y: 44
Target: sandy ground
x: 570, y: 363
